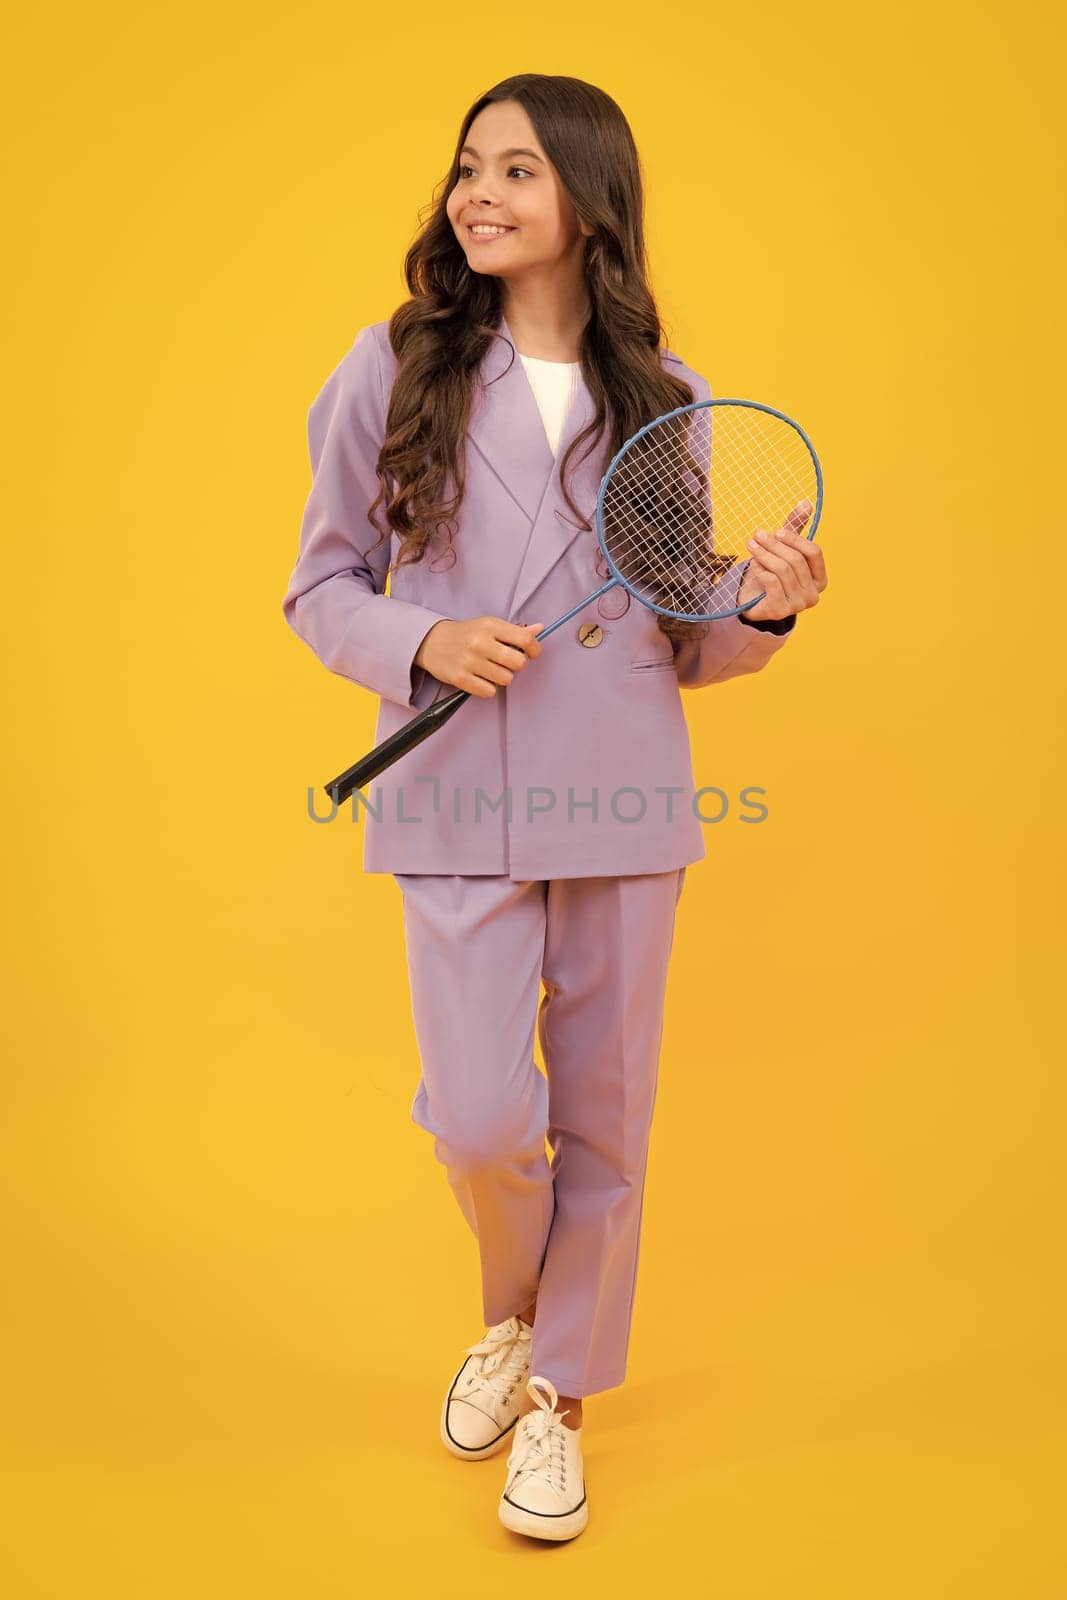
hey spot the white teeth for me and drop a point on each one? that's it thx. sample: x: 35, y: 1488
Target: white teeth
x: 488, y: 231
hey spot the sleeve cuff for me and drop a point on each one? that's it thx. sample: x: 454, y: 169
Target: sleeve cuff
x: 778, y: 625
x: 379, y: 647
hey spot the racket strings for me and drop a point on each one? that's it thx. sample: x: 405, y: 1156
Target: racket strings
x: 683, y: 500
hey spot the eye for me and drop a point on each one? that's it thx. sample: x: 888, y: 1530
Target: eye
x: 465, y: 169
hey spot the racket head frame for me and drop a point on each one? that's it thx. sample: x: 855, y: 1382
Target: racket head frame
x: 668, y: 416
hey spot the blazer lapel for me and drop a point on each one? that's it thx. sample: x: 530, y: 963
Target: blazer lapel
x: 506, y: 427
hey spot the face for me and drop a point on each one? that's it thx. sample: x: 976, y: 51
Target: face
x: 519, y: 195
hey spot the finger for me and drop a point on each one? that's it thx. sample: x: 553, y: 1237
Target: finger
x: 799, y: 515
x: 476, y: 685
x: 533, y: 645
x: 521, y: 635
x: 796, y: 593
x: 777, y: 553
x: 506, y: 655
x: 812, y: 554
x: 512, y: 632
x: 492, y: 672
x: 774, y: 601
x: 791, y: 584
x: 767, y: 578
x: 508, y: 659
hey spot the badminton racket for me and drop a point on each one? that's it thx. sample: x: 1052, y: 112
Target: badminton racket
x: 674, y: 511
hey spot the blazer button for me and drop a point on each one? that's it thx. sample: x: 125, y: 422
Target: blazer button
x: 589, y: 634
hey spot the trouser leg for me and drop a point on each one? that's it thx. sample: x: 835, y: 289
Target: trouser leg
x: 607, y: 948
x: 475, y: 947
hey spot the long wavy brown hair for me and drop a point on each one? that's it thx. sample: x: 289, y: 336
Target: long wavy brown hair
x: 442, y: 333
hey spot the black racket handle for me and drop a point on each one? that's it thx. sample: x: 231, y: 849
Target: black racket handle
x: 397, y: 745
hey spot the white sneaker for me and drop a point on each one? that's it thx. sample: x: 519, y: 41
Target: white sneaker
x: 544, y: 1495
x: 480, y: 1409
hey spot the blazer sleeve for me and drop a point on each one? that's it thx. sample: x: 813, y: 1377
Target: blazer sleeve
x: 335, y: 601
x: 731, y: 646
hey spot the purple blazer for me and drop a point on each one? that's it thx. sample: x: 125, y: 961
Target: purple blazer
x: 581, y: 767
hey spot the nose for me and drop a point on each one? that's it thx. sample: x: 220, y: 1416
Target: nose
x: 481, y: 192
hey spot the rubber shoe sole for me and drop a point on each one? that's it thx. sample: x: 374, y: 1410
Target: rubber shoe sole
x: 544, y: 1525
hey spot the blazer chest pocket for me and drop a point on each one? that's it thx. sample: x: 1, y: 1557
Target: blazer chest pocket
x: 653, y: 664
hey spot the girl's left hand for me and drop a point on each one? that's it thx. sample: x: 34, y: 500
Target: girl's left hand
x: 786, y: 568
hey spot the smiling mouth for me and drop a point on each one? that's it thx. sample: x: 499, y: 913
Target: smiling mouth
x: 486, y: 237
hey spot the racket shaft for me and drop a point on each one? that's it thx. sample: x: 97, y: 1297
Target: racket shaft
x: 397, y: 745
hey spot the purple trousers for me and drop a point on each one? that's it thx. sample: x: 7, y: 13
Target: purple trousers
x: 565, y: 1230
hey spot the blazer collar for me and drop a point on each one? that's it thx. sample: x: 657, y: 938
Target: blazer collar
x: 506, y: 427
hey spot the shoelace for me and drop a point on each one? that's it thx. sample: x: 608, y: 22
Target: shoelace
x: 539, y: 1447
x: 504, y: 1352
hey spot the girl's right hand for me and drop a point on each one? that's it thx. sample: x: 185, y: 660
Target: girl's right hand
x: 479, y: 653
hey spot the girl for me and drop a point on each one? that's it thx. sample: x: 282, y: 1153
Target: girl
x: 544, y: 836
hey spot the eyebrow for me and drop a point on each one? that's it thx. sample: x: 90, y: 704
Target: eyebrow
x: 468, y: 149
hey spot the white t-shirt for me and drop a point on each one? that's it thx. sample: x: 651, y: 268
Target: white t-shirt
x: 553, y: 384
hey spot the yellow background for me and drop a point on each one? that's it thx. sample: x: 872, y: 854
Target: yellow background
x: 236, y: 1282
